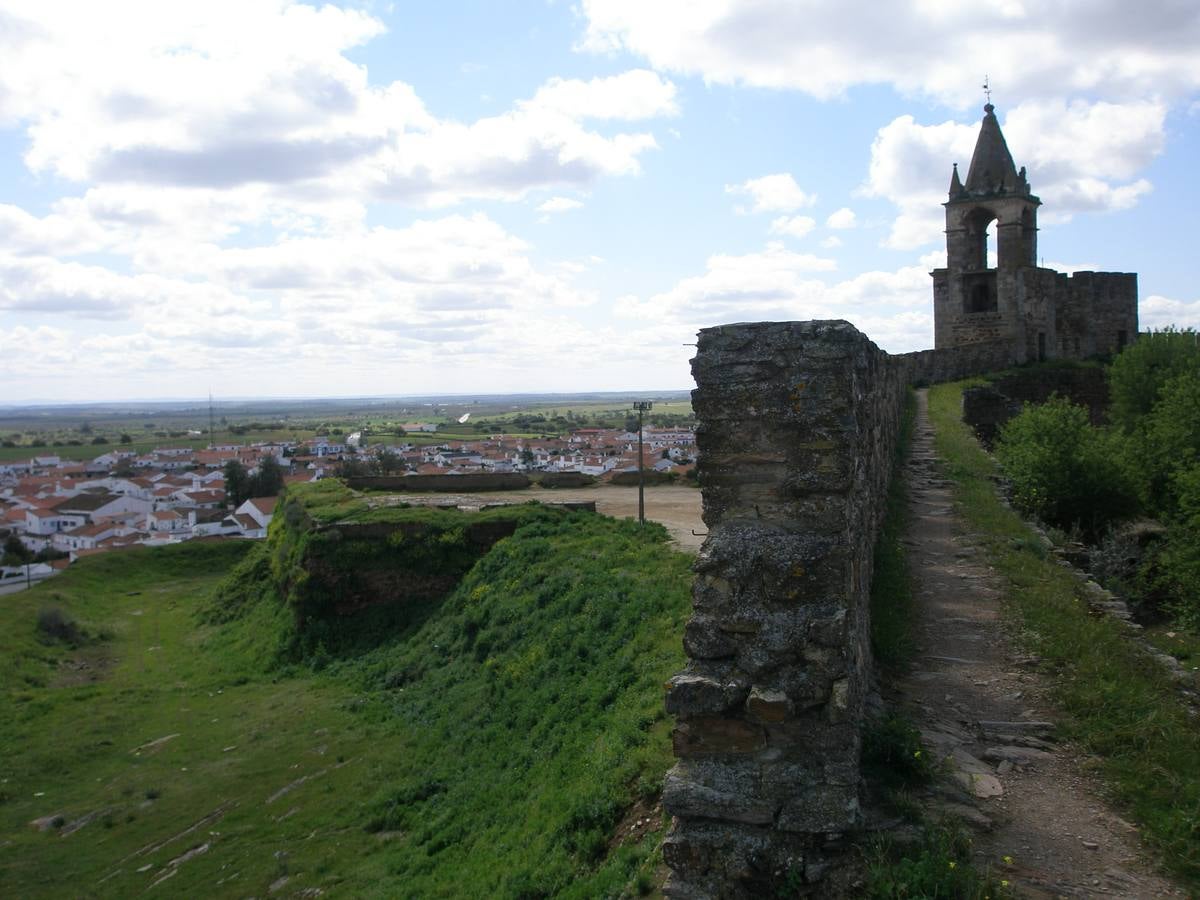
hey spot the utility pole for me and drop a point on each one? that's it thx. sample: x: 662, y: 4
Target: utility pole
x: 642, y: 407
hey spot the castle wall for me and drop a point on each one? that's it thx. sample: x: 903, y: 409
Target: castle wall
x: 797, y: 428
x: 952, y: 363
x: 1109, y: 302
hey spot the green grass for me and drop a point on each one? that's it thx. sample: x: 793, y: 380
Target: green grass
x: 490, y: 753
x: 891, y: 584
x: 1119, y: 704
x: 939, y: 865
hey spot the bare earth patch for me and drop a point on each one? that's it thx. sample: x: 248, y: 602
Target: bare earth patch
x: 1041, y: 820
x: 676, y: 507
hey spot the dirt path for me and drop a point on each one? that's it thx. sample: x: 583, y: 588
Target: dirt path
x: 675, y: 506
x: 983, y: 709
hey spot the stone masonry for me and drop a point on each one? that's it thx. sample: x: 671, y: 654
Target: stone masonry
x: 1040, y: 313
x: 769, y: 708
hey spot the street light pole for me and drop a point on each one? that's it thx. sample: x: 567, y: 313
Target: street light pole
x: 642, y: 406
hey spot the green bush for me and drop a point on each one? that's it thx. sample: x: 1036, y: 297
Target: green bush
x: 1140, y: 372
x: 1166, y: 442
x: 1063, y: 470
x: 1178, y: 569
x: 55, y: 625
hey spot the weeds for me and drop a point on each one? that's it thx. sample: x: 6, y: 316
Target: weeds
x: 937, y: 866
x: 892, y: 754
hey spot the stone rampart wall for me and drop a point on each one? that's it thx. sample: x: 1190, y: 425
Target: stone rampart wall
x: 952, y: 363
x: 798, y: 423
x: 796, y: 437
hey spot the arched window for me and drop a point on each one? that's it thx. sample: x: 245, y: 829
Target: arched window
x: 981, y: 247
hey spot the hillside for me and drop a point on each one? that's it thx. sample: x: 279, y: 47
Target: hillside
x: 488, y: 744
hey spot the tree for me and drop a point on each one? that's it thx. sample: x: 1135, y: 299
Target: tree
x: 1139, y: 373
x: 1166, y: 442
x: 98, y: 440
x: 388, y: 462
x: 349, y: 467
x: 15, y: 552
x: 126, y: 439
x: 268, y: 480
x: 237, y: 483
x: 1062, y: 469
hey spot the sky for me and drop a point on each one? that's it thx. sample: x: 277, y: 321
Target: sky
x: 276, y: 198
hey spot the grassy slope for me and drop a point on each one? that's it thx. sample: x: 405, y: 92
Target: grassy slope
x: 488, y: 755
x: 1120, y: 705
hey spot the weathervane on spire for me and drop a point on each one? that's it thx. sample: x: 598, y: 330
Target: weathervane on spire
x: 987, y: 90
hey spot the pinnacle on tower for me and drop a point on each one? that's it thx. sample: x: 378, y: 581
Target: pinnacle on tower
x: 992, y: 170
x: 956, y: 185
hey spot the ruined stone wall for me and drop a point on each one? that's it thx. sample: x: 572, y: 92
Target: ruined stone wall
x: 952, y: 363
x: 987, y: 408
x: 796, y: 435
x: 798, y: 422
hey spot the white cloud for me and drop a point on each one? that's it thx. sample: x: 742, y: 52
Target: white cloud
x: 832, y: 242
x: 842, y: 219
x: 1076, y: 154
x: 773, y: 193
x: 826, y: 46
x: 1157, y: 311
x: 636, y: 94
x: 794, y: 226
x: 393, y: 302
x: 893, y: 308
x: 261, y: 95
x: 559, y: 204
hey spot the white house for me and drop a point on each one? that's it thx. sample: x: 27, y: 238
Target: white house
x: 255, y: 515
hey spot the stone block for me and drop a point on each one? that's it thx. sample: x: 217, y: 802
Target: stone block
x: 765, y: 705
x: 714, y: 735
x: 690, y: 694
x: 686, y: 798
x: 703, y: 638
x: 821, y: 808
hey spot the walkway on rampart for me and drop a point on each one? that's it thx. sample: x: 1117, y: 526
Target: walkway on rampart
x: 983, y: 709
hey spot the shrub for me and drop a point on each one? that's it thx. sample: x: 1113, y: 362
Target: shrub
x: 56, y: 625
x: 1064, y: 471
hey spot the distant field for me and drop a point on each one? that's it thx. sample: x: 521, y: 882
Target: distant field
x: 151, y: 425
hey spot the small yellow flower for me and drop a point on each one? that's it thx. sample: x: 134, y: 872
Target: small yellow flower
x: 1003, y: 884
x: 917, y: 754
x: 1008, y: 860
x: 953, y: 864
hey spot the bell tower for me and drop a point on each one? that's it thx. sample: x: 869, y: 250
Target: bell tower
x: 976, y: 297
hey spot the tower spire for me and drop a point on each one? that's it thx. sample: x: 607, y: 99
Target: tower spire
x: 992, y: 170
